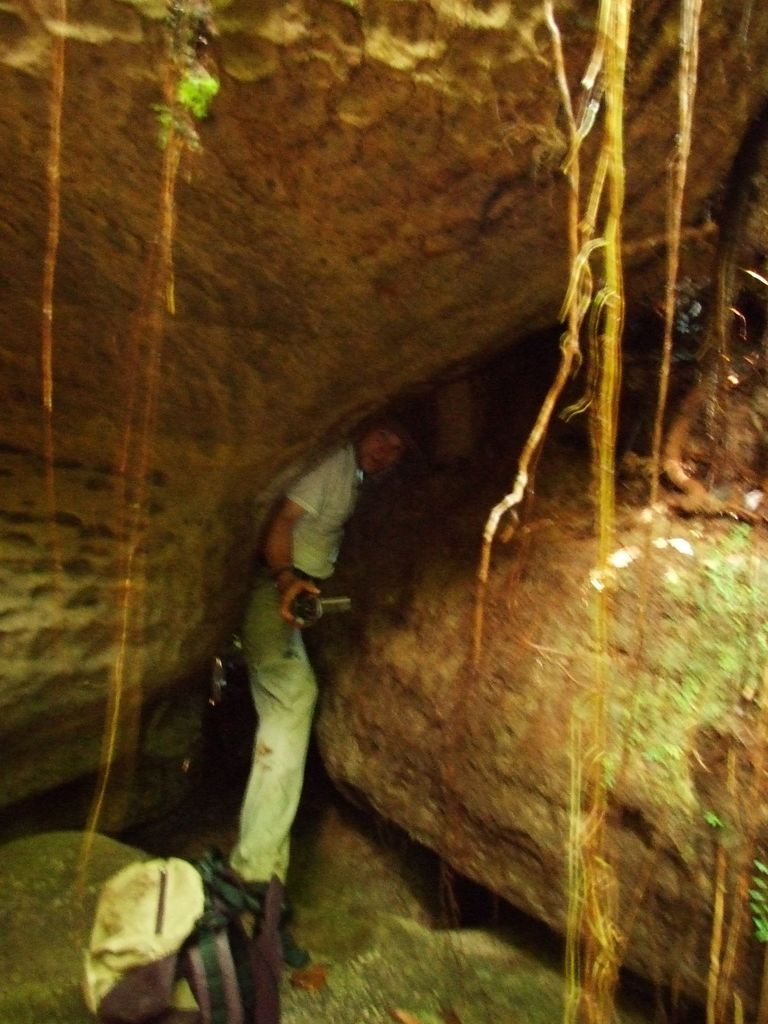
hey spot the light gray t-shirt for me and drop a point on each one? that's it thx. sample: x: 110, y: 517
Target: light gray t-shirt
x: 327, y: 494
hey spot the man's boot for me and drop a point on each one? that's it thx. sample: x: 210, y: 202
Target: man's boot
x: 293, y: 955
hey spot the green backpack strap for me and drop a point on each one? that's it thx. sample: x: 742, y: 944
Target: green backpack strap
x: 212, y: 976
x: 241, y: 945
x: 225, y: 890
x: 234, y: 977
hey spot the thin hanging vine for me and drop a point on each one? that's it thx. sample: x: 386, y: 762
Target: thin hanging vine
x: 53, y: 232
x: 189, y: 86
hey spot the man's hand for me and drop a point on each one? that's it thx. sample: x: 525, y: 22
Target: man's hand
x: 289, y: 587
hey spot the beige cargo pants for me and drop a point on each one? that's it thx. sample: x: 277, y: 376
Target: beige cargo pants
x: 284, y: 693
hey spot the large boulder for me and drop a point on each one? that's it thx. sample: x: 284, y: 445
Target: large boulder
x: 487, y: 758
x: 50, y: 886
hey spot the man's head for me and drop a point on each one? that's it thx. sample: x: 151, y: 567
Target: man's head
x: 381, y: 445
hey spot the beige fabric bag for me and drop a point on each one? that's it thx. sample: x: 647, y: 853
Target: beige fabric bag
x: 144, y: 913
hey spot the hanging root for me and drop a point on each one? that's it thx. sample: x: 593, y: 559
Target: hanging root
x: 187, y: 26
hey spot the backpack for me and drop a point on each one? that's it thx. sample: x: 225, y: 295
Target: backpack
x: 171, y: 945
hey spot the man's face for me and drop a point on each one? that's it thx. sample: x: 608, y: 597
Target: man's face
x: 378, y: 450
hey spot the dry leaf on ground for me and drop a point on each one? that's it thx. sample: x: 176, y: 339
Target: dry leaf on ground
x: 310, y: 978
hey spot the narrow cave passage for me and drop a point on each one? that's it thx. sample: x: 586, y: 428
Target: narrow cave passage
x: 349, y: 867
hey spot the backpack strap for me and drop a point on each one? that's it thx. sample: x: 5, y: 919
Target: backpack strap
x: 235, y: 977
x: 213, y: 978
x: 224, y: 887
x: 241, y: 945
x: 267, y: 957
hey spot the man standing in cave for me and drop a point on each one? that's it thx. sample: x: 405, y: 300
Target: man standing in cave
x: 298, y: 553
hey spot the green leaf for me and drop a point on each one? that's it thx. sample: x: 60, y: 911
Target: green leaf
x: 196, y: 91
